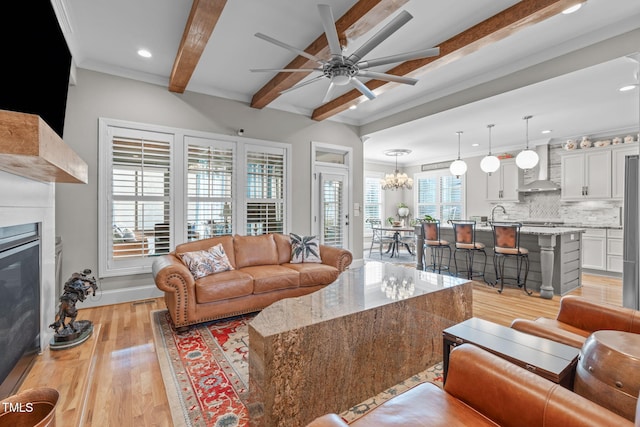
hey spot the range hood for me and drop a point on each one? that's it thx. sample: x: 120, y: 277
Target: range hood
x: 542, y: 183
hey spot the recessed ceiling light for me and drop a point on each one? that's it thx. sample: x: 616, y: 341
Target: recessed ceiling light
x: 628, y: 88
x: 546, y: 131
x: 144, y: 53
x: 572, y: 9
x: 475, y: 145
x: 353, y: 107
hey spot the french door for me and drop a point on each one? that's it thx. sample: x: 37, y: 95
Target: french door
x: 331, y: 194
x: 334, y: 219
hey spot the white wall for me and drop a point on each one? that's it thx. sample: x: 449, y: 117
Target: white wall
x: 100, y: 95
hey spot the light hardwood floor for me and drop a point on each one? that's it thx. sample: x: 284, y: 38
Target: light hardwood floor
x: 127, y: 386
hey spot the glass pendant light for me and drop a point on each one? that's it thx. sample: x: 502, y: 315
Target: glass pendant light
x: 458, y: 167
x: 490, y: 163
x: 527, y: 158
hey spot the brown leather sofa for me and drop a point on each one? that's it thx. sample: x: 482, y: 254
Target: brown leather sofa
x: 484, y: 390
x: 261, y: 275
x: 578, y: 318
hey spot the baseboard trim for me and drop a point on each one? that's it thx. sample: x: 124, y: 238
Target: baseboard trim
x: 118, y: 296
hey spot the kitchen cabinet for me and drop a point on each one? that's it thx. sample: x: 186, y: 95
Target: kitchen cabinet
x: 602, y: 249
x: 614, y: 250
x: 594, y: 249
x: 586, y: 174
x: 503, y: 184
x: 619, y: 154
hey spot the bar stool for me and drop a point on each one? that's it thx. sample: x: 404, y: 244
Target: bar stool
x: 506, y: 239
x: 464, y: 232
x: 437, y: 246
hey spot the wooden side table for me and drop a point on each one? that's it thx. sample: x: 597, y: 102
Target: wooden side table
x: 549, y: 359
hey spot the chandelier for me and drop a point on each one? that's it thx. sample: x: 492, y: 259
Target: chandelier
x: 397, y: 288
x: 396, y: 180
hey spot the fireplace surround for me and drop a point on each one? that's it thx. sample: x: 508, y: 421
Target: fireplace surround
x: 19, y: 303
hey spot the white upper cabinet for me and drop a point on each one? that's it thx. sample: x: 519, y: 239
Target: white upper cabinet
x: 586, y: 174
x: 503, y: 184
x: 617, y: 184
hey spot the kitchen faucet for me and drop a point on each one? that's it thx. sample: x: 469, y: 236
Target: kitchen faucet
x: 504, y: 211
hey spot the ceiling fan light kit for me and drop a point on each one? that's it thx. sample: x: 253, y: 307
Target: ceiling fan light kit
x: 458, y: 167
x: 527, y: 159
x: 343, y: 70
x: 490, y: 163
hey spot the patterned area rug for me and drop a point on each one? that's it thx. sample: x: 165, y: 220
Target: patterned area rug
x: 205, y: 372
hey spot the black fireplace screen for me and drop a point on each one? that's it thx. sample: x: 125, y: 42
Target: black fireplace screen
x: 19, y: 303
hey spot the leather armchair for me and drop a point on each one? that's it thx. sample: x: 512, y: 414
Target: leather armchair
x: 578, y: 318
x: 484, y: 390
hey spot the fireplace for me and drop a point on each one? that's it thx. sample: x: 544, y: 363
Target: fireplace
x: 20, y: 318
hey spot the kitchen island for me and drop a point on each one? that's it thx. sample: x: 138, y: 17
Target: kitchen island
x: 554, y: 257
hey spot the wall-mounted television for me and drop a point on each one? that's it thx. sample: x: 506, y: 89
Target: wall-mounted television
x: 36, y: 62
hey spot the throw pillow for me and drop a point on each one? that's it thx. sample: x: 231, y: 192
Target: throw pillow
x: 204, y: 263
x: 304, y: 249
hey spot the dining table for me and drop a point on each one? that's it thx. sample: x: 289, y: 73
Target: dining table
x: 397, y: 243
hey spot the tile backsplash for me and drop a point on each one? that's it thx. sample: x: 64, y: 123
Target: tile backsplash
x: 548, y: 206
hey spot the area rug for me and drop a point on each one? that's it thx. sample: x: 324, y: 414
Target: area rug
x: 205, y: 371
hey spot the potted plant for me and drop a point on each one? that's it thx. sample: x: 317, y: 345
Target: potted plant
x: 403, y: 210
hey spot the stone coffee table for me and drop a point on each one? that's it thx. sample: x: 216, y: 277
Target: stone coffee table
x: 328, y: 351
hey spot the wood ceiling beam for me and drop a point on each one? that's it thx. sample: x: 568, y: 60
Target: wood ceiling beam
x: 362, y: 17
x: 202, y: 20
x: 521, y: 15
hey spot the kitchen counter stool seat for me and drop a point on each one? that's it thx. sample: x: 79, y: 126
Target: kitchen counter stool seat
x: 506, y: 238
x: 436, y: 247
x: 464, y: 232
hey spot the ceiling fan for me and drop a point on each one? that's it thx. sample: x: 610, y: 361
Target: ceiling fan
x: 341, y: 70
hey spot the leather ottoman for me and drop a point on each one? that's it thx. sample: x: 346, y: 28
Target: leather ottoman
x: 608, y: 371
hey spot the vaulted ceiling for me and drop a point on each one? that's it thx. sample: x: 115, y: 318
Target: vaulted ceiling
x: 208, y: 46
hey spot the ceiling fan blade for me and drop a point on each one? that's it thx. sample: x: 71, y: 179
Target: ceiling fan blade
x: 397, y: 22
x: 401, y: 57
x: 362, y: 88
x: 329, y: 25
x: 304, y: 83
x: 329, y: 94
x: 387, y: 77
x: 284, y: 70
x: 289, y: 47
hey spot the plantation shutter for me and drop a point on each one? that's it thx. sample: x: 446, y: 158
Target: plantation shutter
x: 140, y: 204
x: 427, y: 190
x: 265, y: 190
x: 210, y: 178
x: 451, y: 197
x: 440, y: 195
x: 372, y: 202
x: 333, y: 210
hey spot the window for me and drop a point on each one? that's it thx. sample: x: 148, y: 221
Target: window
x: 439, y: 194
x: 209, y: 188
x: 373, y: 201
x: 160, y: 187
x: 265, y: 190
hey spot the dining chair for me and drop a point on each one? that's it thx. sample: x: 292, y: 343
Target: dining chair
x: 378, y: 236
x: 464, y: 232
x: 506, y: 239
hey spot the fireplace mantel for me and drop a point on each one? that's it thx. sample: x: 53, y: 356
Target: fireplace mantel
x: 30, y: 148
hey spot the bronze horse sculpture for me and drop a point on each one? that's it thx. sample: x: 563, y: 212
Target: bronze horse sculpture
x: 76, y: 289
